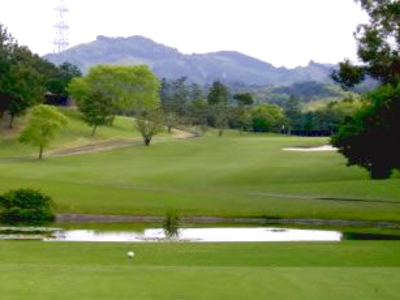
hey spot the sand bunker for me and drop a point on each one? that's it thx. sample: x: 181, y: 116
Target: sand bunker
x: 312, y: 149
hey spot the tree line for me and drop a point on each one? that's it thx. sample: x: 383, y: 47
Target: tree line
x: 26, y: 79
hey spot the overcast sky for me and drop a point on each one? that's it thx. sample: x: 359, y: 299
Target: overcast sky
x: 283, y: 32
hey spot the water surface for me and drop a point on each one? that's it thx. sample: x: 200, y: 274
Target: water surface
x: 261, y: 234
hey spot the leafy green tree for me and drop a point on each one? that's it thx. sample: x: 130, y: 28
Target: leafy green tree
x: 23, y: 75
x: 129, y: 87
x: 377, y: 45
x: 370, y: 138
x: 149, y: 123
x: 43, y: 125
x: 180, y: 94
x: 26, y: 207
x: 96, y: 109
x: 267, y: 118
x: 59, y: 80
x: 218, y: 94
x: 241, y: 114
x: 217, y: 99
x: 336, y: 112
x: 243, y: 99
x: 374, y: 129
x: 198, y: 111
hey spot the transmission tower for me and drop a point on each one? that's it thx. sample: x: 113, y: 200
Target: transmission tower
x: 61, y: 27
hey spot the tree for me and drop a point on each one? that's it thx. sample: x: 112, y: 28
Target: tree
x: 335, y: 113
x: 43, y: 125
x: 377, y: 45
x: 57, y: 84
x: 292, y: 111
x: 219, y: 116
x: 26, y: 207
x: 149, y: 123
x: 218, y: 94
x: 361, y: 138
x: 243, y: 99
x: 96, y: 109
x: 171, y: 120
x: 370, y: 139
x: 198, y: 114
x: 217, y: 99
x: 242, y: 114
x: 129, y: 87
x: 267, y: 118
x: 23, y: 75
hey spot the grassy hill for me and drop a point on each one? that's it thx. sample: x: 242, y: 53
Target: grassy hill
x: 236, y: 175
x: 75, y: 134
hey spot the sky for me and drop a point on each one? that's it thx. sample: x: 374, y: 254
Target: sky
x: 286, y: 33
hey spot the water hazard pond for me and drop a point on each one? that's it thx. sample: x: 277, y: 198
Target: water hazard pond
x: 260, y: 234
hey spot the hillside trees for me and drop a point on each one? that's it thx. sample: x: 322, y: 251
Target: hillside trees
x: 43, y: 126
x: 375, y: 128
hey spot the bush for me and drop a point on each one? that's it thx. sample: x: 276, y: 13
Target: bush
x: 26, y: 207
x: 171, y: 224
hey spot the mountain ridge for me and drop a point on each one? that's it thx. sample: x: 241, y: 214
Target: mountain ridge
x: 231, y: 67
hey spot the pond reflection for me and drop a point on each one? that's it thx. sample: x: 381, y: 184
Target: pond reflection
x: 261, y: 234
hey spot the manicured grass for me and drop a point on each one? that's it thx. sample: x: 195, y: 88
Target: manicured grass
x: 236, y: 175
x: 347, y: 270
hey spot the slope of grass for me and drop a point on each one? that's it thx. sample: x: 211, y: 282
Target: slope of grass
x: 36, y: 270
x: 236, y: 175
x: 75, y: 134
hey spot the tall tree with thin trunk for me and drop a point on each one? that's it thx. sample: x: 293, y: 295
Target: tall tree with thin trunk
x: 217, y: 99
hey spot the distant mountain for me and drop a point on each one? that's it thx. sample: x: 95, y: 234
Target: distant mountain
x: 229, y: 67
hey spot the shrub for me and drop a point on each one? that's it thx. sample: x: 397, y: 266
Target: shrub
x: 171, y: 224
x: 26, y: 207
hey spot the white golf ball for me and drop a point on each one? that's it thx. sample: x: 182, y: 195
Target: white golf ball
x: 130, y: 254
